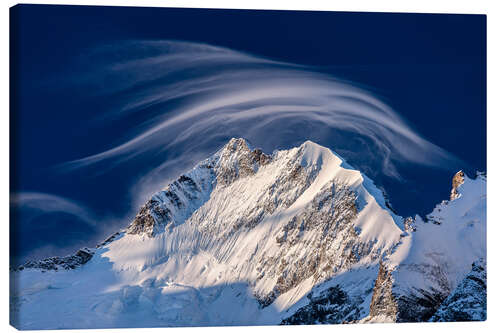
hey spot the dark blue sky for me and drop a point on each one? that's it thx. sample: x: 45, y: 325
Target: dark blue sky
x: 431, y: 69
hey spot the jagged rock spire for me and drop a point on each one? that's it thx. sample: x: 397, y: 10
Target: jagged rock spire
x: 457, y: 180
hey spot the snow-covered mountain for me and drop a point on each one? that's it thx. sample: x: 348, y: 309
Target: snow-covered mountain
x: 245, y: 238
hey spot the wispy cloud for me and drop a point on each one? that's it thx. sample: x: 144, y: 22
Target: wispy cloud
x: 235, y: 94
x: 30, y: 207
x: 34, y: 204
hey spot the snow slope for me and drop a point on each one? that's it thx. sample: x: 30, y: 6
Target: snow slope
x: 243, y: 239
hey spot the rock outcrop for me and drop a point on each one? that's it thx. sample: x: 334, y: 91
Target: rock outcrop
x: 468, y: 301
x: 383, y: 306
x: 81, y: 257
x: 332, y: 306
x: 458, y: 179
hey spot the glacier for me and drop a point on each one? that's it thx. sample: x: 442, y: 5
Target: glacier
x: 246, y: 238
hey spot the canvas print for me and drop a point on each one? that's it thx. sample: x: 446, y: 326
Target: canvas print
x: 207, y: 167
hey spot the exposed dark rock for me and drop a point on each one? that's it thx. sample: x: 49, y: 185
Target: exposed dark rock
x: 109, y: 239
x: 80, y: 258
x: 259, y: 157
x: 331, y: 306
x: 419, y: 305
x: 467, y: 302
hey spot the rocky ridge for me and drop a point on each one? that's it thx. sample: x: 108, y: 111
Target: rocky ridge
x: 73, y: 261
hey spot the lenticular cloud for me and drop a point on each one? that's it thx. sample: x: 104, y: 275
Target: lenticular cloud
x: 192, y: 97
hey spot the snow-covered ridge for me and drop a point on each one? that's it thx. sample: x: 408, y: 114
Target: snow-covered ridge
x: 248, y: 238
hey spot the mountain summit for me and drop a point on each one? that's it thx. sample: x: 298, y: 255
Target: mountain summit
x: 246, y: 238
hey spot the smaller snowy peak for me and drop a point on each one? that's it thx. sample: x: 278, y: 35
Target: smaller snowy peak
x: 81, y: 257
x: 462, y: 183
x: 436, y: 254
x: 75, y: 260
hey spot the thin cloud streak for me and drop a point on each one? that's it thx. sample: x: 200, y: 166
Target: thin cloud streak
x: 34, y: 204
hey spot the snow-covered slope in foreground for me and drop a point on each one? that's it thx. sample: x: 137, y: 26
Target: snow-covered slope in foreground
x: 242, y: 239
